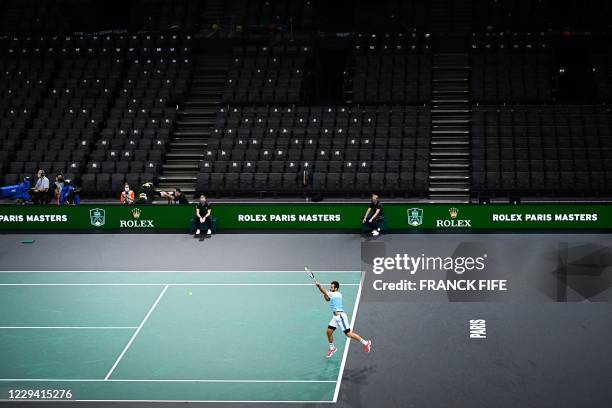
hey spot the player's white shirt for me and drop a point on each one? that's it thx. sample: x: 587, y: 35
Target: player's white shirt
x: 339, y: 318
x: 335, y: 301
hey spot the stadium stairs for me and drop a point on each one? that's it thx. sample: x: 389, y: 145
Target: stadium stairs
x: 449, y: 161
x: 196, y: 119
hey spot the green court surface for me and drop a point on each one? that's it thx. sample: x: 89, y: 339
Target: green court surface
x: 170, y: 336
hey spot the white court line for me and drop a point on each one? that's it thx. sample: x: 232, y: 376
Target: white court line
x: 70, y: 327
x: 169, y: 271
x: 174, y: 401
x: 348, y: 341
x: 164, y: 381
x: 136, y: 332
x: 166, y: 284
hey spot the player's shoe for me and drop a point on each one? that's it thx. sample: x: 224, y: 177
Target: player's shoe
x: 375, y: 233
x: 331, y: 353
x: 368, y: 346
x: 197, y: 232
x: 209, y: 232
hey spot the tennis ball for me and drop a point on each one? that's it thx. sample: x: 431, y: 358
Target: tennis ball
x: 190, y: 293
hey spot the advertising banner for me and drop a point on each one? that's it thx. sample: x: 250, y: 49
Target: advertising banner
x: 253, y: 216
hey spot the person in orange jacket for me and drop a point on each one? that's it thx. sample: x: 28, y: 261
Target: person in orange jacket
x: 127, y: 195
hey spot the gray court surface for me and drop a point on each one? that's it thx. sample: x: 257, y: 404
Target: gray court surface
x: 548, y: 335
x: 257, y: 252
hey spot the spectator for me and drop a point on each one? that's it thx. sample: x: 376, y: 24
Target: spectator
x: 70, y: 194
x: 203, y: 218
x: 127, y: 195
x: 146, y: 193
x: 175, y: 196
x: 375, y: 221
x: 40, y: 192
x: 143, y: 199
x: 58, y: 185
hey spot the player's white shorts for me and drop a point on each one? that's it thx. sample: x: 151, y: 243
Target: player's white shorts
x: 341, y: 321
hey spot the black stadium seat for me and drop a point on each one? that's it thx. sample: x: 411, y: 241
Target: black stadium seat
x: 255, y: 118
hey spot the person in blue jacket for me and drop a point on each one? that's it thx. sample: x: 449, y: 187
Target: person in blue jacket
x: 69, y: 194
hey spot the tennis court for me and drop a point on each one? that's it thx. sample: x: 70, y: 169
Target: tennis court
x: 171, y: 336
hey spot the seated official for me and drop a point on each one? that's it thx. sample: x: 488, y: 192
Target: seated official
x: 40, y: 191
x: 203, y: 218
x: 127, y: 195
x: 374, y: 216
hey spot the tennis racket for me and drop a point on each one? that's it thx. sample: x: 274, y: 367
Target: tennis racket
x: 309, y: 272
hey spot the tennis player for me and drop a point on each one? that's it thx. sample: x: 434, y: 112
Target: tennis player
x: 339, y: 318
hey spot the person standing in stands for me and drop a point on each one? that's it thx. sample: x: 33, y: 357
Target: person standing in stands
x: 127, y: 195
x: 203, y: 218
x: 377, y: 215
x: 40, y: 192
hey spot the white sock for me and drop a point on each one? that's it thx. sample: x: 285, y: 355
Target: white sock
x: 331, y: 346
x: 364, y: 341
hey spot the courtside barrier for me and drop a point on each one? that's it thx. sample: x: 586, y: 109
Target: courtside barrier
x: 307, y: 217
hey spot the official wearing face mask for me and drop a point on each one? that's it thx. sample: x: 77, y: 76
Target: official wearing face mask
x: 374, y: 215
x: 127, y: 195
x: 40, y: 191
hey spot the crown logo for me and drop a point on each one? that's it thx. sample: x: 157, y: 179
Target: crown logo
x: 136, y: 213
x: 453, y: 212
